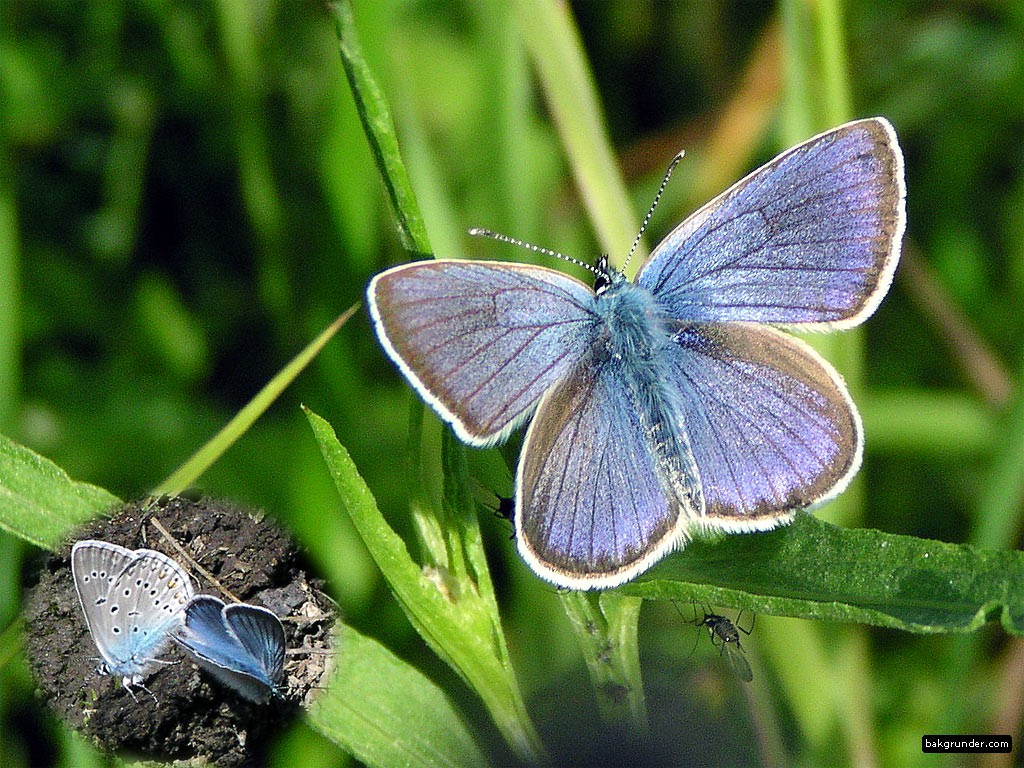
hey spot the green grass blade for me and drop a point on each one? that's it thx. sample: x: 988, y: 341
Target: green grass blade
x: 187, y: 474
x: 556, y: 50
x: 998, y: 515
x: 379, y: 127
x: 457, y: 620
x: 10, y: 303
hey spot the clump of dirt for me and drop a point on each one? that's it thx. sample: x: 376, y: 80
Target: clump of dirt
x: 188, y: 715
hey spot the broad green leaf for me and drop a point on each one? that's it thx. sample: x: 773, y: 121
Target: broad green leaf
x: 815, y: 570
x: 386, y: 713
x: 39, y: 502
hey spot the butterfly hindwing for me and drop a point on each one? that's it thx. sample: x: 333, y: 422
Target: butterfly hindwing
x: 597, y: 498
x: 261, y: 634
x: 146, y: 601
x: 94, y: 567
x: 771, y: 425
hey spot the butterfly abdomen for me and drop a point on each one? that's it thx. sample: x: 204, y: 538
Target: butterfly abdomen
x: 636, y: 332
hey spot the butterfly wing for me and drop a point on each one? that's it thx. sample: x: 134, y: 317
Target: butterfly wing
x: 771, y: 425
x: 481, y: 341
x: 606, y: 481
x: 811, y: 238
x: 260, y: 632
x: 94, y: 567
x: 209, y: 639
x: 146, y: 601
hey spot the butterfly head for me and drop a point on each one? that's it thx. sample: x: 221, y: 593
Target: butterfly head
x: 605, y: 275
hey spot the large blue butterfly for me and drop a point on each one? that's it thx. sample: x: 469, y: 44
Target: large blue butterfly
x: 666, y: 406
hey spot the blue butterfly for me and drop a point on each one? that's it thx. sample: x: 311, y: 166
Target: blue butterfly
x: 241, y: 645
x: 667, y: 406
x: 131, y: 601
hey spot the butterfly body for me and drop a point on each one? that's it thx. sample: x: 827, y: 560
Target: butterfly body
x: 668, y: 405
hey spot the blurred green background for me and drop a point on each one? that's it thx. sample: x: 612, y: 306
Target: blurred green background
x: 187, y: 198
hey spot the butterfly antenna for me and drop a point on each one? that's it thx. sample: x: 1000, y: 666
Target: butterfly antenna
x: 480, y: 232
x: 654, y: 204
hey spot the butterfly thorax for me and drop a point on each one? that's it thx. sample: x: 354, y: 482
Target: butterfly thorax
x: 634, y: 325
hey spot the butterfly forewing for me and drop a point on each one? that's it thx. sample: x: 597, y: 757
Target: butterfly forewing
x: 94, y: 567
x: 812, y: 237
x: 481, y: 341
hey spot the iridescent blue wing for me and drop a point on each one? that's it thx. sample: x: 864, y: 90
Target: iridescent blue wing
x: 811, y: 238
x: 261, y: 634
x: 213, y: 644
x: 481, y: 341
x: 771, y: 425
x: 606, y: 483
x: 203, y: 633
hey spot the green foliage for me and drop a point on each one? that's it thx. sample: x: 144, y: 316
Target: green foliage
x: 386, y: 713
x: 815, y: 570
x: 190, y: 193
x: 39, y: 502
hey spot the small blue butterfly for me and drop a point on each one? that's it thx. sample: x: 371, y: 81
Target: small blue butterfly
x: 668, y: 406
x: 131, y: 601
x: 241, y: 645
